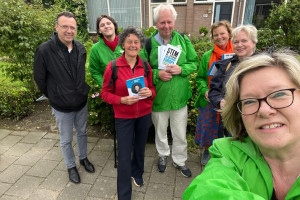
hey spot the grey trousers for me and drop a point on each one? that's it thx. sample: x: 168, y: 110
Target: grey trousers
x: 65, y: 122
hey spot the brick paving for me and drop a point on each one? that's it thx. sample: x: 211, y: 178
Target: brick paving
x: 32, y: 167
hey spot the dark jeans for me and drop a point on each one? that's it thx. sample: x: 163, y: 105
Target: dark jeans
x: 131, y: 135
x: 222, y: 131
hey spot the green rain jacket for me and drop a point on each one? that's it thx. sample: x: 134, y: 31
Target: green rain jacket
x: 236, y: 171
x: 172, y: 94
x: 100, y: 56
x: 202, y: 80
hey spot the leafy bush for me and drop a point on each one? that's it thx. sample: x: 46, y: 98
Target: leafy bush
x: 285, y: 17
x: 268, y: 38
x: 22, y: 28
x: 16, y: 100
x: 203, y: 31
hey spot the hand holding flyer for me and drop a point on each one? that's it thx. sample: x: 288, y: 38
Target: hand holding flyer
x: 135, y: 85
x: 169, y: 55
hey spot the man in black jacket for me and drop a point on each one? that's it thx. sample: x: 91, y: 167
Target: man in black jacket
x: 59, y: 71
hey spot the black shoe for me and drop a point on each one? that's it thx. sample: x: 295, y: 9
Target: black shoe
x: 73, y: 175
x: 89, y: 167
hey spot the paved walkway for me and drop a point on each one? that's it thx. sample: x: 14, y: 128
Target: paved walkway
x: 32, y: 167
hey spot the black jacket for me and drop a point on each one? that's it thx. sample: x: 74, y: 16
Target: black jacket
x: 54, y: 78
x: 217, y: 84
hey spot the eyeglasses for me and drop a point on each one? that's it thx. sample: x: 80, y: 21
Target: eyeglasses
x: 277, y: 100
x: 65, y: 28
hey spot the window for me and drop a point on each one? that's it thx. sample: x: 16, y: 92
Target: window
x: 158, y: 1
x: 126, y: 12
x: 168, y: 1
x: 223, y: 11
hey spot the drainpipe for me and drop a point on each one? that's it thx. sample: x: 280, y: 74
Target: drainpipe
x: 239, y: 12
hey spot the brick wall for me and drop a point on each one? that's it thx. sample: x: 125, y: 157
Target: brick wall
x: 192, y: 16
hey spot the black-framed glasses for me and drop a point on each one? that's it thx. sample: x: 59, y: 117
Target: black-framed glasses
x: 65, y: 27
x: 277, y: 100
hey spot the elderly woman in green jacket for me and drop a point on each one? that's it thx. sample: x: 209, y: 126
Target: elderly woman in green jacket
x: 262, y: 112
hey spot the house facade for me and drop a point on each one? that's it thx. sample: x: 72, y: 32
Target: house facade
x: 192, y: 14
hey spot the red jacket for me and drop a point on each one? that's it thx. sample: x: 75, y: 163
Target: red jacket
x: 139, y: 109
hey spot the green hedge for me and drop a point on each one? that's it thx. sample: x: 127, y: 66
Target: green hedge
x: 16, y: 100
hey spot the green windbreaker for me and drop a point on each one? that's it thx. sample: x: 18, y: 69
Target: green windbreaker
x: 236, y: 171
x: 173, y: 94
x: 100, y: 56
x: 202, y: 80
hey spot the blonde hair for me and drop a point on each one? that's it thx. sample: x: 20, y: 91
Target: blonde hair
x: 230, y: 114
x: 249, y: 29
x: 218, y: 24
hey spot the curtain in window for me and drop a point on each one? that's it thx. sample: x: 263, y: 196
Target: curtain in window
x: 95, y: 9
x: 249, y: 9
x: 125, y: 12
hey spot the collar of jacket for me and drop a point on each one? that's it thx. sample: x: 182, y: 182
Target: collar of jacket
x: 122, y: 62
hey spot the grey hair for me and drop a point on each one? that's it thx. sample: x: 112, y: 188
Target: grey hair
x: 282, y: 59
x: 131, y: 30
x: 164, y: 6
x: 249, y: 29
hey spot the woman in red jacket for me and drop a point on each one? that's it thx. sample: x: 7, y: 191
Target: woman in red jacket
x: 132, y: 113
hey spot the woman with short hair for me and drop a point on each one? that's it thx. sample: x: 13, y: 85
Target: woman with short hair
x: 244, y: 39
x: 132, y: 114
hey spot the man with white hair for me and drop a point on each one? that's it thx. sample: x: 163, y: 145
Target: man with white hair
x: 173, y: 88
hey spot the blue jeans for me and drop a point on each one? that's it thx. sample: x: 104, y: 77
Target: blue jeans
x: 65, y: 122
x: 132, y: 134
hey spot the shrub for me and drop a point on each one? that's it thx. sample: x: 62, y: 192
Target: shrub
x: 286, y: 17
x: 16, y: 100
x: 22, y: 28
x: 269, y: 39
x: 203, y: 31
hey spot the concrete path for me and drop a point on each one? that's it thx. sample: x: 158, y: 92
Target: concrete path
x: 32, y: 167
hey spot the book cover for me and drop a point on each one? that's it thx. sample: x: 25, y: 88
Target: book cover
x: 169, y: 55
x: 135, y: 85
x: 212, y: 70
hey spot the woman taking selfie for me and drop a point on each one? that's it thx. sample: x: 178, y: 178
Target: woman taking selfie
x: 262, y: 112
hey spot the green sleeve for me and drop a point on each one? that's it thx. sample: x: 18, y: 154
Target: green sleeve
x: 94, y: 67
x: 221, y: 179
x: 192, y: 60
x: 202, y: 80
